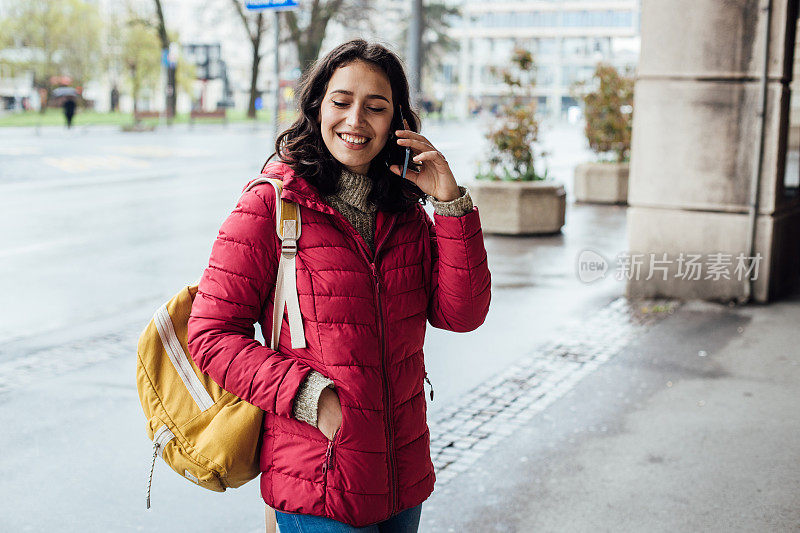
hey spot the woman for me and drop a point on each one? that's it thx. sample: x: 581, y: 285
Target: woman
x: 345, y: 440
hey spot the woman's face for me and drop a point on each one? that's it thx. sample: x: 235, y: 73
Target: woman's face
x: 356, y: 114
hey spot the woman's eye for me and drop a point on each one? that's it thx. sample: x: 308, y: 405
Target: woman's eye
x: 345, y: 104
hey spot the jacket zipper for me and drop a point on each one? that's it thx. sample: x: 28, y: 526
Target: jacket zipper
x: 430, y: 384
x: 386, y: 392
x: 329, y: 454
x: 327, y: 466
x: 339, y: 218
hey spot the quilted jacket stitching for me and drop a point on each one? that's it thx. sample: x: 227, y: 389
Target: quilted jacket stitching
x: 245, y: 276
x: 283, y: 473
x: 316, y: 315
x: 253, y: 246
x: 224, y: 300
x: 412, y: 441
x: 253, y: 213
x: 460, y: 267
x: 469, y: 272
x: 350, y: 296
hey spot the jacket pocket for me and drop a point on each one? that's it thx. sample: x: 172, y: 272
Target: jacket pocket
x: 330, y: 454
x: 330, y: 461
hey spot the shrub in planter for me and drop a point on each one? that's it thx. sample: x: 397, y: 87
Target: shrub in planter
x: 514, y: 196
x: 608, y: 109
x: 513, y: 138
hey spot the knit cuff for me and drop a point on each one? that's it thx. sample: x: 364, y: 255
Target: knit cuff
x: 306, y: 401
x: 454, y: 208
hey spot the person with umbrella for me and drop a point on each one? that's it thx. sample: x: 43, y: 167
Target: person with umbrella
x: 68, y: 104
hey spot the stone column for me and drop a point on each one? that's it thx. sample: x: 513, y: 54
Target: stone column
x: 696, y: 145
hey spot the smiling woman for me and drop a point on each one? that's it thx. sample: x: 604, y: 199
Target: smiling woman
x: 347, y: 103
x: 345, y: 440
x: 356, y: 115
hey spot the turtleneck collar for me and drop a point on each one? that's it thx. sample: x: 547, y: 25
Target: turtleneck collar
x: 353, y: 189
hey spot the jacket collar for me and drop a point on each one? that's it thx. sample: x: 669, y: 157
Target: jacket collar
x: 295, y: 188
x: 298, y: 190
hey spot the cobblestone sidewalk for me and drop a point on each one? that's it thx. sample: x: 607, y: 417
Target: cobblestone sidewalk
x: 461, y: 434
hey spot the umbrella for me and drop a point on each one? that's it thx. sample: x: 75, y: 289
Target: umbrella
x: 65, y: 91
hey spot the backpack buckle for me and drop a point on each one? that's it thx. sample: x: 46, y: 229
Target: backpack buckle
x: 289, y: 238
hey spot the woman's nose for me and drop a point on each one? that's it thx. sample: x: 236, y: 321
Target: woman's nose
x: 355, y: 116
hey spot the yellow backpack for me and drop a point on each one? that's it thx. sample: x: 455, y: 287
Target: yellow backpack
x: 206, y: 434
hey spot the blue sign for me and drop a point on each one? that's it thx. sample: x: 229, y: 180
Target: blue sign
x: 274, y: 5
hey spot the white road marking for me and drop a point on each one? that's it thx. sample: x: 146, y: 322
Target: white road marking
x: 82, y: 163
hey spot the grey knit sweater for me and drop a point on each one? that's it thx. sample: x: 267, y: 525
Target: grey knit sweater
x: 351, y: 201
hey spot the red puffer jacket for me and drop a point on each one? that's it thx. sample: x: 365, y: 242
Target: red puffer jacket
x: 364, y: 319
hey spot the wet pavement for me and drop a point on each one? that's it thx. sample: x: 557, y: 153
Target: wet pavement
x: 570, y: 409
x: 692, y: 426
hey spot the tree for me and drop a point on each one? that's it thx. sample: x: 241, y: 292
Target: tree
x: 609, y: 112
x: 512, y: 154
x: 140, y: 55
x: 55, y: 39
x: 308, y: 25
x: 5, y: 33
x: 175, y: 77
x: 254, y: 26
x: 437, y: 18
x: 172, y: 96
x: 134, y: 54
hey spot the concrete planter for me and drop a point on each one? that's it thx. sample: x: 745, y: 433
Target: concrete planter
x: 602, y: 183
x: 521, y: 207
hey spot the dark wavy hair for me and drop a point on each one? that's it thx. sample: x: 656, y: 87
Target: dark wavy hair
x: 301, y: 145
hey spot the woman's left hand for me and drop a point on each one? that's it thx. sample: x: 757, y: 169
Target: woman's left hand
x: 434, y: 177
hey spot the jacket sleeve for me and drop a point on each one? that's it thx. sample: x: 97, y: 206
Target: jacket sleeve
x: 460, y: 279
x: 240, y: 275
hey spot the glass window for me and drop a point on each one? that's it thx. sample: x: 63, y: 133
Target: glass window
x: 547, y: 46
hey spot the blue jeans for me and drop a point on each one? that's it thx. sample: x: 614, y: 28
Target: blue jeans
x: 403, y: 522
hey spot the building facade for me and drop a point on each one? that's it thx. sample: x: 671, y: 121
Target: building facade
x: 566, y: 37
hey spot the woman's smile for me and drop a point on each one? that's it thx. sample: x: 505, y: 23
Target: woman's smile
x: 356, y: 114
x: 353, y: 141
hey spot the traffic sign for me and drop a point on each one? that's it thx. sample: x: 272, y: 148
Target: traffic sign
x: 272, y: 5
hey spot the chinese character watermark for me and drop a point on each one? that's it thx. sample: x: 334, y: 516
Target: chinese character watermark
x: 717, y: 266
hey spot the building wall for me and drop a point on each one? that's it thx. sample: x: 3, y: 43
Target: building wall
x: 567, y: 39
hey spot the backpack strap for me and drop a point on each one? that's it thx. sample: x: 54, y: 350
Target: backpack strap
x: 288, y: 228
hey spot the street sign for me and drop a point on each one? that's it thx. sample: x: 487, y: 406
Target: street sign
x: 272, y: 5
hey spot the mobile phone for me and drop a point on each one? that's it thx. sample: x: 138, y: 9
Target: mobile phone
x: 408, y: 150
x: 401, y: 153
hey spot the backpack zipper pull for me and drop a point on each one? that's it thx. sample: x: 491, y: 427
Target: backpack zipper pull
x: 152, y: 466
x: 429, y: 383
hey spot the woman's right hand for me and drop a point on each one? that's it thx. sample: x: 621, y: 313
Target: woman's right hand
x: 329, y: 413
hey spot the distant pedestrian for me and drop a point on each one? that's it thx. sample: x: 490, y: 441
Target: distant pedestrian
x: 114, y: 99
x: 69, y: 106
x: 345, y: 445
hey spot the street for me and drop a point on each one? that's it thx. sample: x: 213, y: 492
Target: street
x: 101, y: 227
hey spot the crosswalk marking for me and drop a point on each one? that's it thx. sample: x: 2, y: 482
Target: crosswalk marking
x: 83, y: 163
